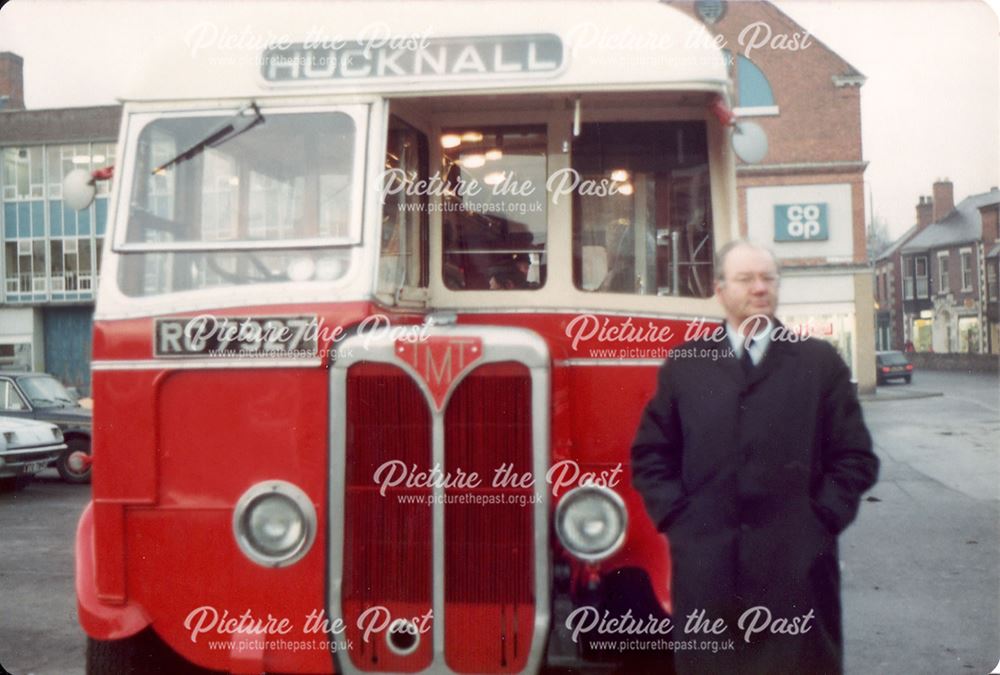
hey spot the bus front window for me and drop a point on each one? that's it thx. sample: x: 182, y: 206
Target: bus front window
x: 653, y: 235
x: 276, y: 201
x: 494, y: 208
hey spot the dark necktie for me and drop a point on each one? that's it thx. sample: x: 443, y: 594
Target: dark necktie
x: 746, y: 361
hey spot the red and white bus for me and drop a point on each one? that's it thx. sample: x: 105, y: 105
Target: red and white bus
x: 385, y: 291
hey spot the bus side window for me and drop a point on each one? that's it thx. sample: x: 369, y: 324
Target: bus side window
x: 651, y: 233
x: 404, y: 243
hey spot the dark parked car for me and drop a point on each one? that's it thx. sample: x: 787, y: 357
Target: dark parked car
x: 892, y: 366
x: 42, y: 397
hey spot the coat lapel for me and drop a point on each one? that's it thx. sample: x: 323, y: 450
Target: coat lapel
x: 778, y: 351
x: 724, y: 357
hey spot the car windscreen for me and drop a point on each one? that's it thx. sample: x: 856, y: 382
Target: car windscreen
x: 45, y: 392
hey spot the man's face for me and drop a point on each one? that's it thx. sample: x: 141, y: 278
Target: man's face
x: 750, y: 284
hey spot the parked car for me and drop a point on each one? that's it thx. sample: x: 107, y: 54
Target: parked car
x: 893, y: 366
x: 40, y: 396
x: 26, y: 447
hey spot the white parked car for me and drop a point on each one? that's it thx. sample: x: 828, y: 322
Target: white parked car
x: 26, y: 447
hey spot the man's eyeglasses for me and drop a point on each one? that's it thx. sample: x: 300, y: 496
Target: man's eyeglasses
x: 749, y: 279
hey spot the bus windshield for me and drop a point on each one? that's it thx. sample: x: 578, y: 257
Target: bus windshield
x: 254, y: 205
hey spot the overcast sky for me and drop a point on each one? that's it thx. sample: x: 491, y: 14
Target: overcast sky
x: 930, y: 107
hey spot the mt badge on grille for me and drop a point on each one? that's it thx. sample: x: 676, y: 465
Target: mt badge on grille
x: 440, y: 361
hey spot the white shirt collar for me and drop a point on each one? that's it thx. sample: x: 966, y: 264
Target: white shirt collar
x: 759, y: 342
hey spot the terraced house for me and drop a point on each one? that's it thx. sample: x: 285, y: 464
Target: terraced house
x: 937, y: 285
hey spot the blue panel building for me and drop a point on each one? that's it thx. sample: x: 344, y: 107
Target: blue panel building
x: 51, y: 253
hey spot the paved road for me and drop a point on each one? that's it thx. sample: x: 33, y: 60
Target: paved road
x: 921, y: 573
x: 922, y: 564
x: 38, y: 628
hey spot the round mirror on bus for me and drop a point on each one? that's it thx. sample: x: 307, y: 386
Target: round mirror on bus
x: 749, y: 141
x: 78, y: 189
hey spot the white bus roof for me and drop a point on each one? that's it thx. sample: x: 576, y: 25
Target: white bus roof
x: 417, y: 48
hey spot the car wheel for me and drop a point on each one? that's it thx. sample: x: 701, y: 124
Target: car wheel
x: 65, y: 467
x: 908, y: 378
x: 142, y: 654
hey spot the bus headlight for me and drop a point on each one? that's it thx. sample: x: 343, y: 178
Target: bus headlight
x: 274, y: 523
x: 591, y: 521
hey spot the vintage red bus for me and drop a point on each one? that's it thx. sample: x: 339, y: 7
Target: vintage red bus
x: 385, y: 292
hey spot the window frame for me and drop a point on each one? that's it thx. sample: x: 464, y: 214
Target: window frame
x: 943, y: 272
x: 653, y: 262
x: 360, y: 113
x: 25, y: 403
x: 401, y: 293
x: 925, y: 277
x: 965, y: 268
x: 770, y: 110
x: 543, y: 253
x: 908, y: 283
x: 559, y: 292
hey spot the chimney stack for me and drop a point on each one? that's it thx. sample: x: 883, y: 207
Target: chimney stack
x: 925, y: 212
x: 990, y: 215
x: 944, y: 199
x: 11, y: 81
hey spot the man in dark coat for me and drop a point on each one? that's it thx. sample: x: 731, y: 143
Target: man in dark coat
x: 752, y: 458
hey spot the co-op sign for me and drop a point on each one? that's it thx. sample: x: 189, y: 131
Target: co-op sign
x: 801, y: 222
x: 504, y: 56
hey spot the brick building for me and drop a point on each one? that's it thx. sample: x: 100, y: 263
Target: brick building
x: 888, y: 296
x: 51, y: 258
x: 947, y: 269
x: 806, y: 199
x: 990, y: 215
x: 11, y: 81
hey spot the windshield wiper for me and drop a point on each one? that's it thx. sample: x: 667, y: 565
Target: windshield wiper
x: 235, y: 126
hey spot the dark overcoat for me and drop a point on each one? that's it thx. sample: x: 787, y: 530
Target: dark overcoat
x: 752, y: 477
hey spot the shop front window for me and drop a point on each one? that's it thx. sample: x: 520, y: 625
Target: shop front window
x: 923, y: 335
x: 968, y: 335
x: 836, y: 329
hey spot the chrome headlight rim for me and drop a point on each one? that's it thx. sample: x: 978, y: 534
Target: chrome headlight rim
x: 610, y: 496
x: 244, y: 509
